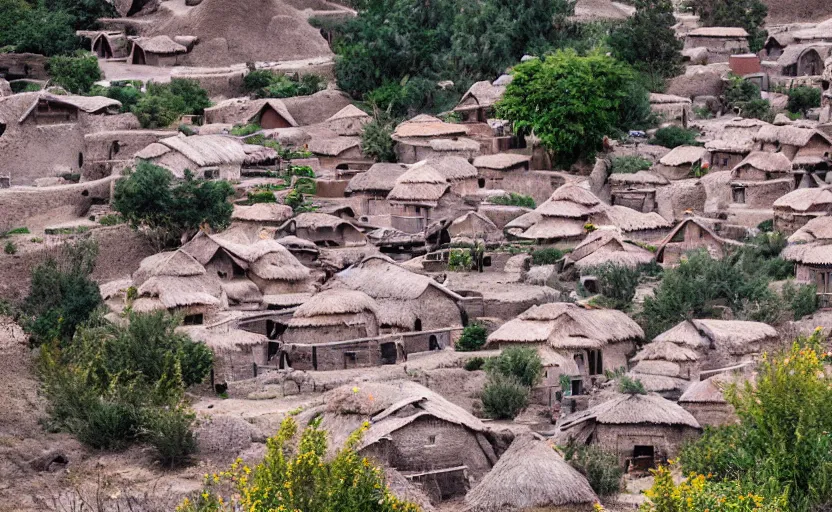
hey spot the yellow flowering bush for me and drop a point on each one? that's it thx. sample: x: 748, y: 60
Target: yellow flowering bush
x: 300, y: 480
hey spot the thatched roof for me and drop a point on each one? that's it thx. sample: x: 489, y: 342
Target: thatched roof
x: 330, y: 307
x: 804, y: 199
x: 246, y: 110
x: 88, y: 104
x: 480, y: 95
x: 634, y: 410
x: 719, y: 32
x: 349, y: 112
x: 159, y: 44
x: 333, y: 146
x: 701, y: 224
x: 279, y: 265
x: 683, y: 155
x: 153, y: 150
x: 792, y: 53
x: 638, y: 178
x: 262, y: 212
x: 684, y: 334
x: 404, y: 489
x: 314, y: 221
x: 564, y: 325
x: 668, y: 99
x: 627, y: 219
x: 730, y: 144
x: 601, y: 10
x: 294, y: 243
x: 500, y: 161
x: 455, y: 145
x: 605, y: 246
x: 819, y: 228
x: 421, y: 183
x: 453, y: 168
x: 425, y: 126
x: 788, y: 135
x: 207, y: 150
x: 658, y: 367
x: 767, y: 162
x: 665, y: 351
x: 708, y: 391
x: 380, y: 177
x: 175, y: 292
x: 173, y: 263
x: 224, y: 340
x: 241, y: 290
x: 530, y: 475
x: 737, y: 336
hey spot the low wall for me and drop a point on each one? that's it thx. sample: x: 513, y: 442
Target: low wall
x: 21, y: 203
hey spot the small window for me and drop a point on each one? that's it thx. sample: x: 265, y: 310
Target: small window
x: 211, y: 174
x: 724, y: 162
x: 431, y: 440
x: 195, y: 319
x: 221, y: 274
x: 481, y: 182
x: 80, y: 159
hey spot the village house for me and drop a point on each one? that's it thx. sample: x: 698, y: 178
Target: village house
x: 473, y: 226
x: 607, y: 246
x: 339, y: 153
x: 434, y: 443
x: 107, y: 44
x: 728, y: 153
x: 111, y: 151
x: 682, y: 162
x: 793, y: 210
x: 207, y: 156
x: 641, y: 430
x: 810, y: 248
x: 349, y: 121
x: 372, y: 186
x: 692, y: 234
x: 331, y: 316
x: 760, y: 179
x: 721, y: 42
x: 459, y: 172
x: 671, y: 108
x: 269, y: 114
x: 580, y: 343
x: 261, y: 214
x: 799, y: 60
x: 705, y: 400
x: 636, y: 190
x: 776, y: 44
x: 236, y: 351
x: 477, y: 104
x: 426, y: 136
x: 415, y: 200
x: 794, y: 142
x: 493, y: 169
x: 322, y: 229
x: 665, y: 367
x: 531, y: 475
x: 159, y: 51
x: 42, y: 134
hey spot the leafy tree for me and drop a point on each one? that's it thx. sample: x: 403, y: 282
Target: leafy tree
x: 302, y: 478
x: 85, y: 13
x: 616, y: 284
x: 164, y: 104
x: 748, y: 14
x: 12, y: 12
x: 46, y: 32
x: 76, y: 74
x: 128, y: 94
x: 739, y: 92
x: 192, y: 94
x: 376, y: 140
x: 548, y: 256
x: 521, y: 363
x: 758, y: 109
x: 648, y: 42
x: 147, y: 197
x: 473, y: 338
x: 803, y: 98
x: 675, y: 136
x: 570, y: 102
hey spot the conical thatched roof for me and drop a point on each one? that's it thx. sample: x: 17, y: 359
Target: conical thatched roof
x: 332, y: 307
x: 349, y: 112
x: 708, y: 391
x: 605, y: 246
x: 634, y: 409
x: 174, y: 263
x: 159, y: 44
x: 379, y: 178
x: 173, y: 292
x: 805, y: 199
x: 453, y: 168
x: 683, y: 155
x: 767, y: 162
x: 530, y: 475
x: 665, y: 351
x: 422, y: 183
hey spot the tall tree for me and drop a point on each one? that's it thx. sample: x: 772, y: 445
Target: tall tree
x: 748, y: 14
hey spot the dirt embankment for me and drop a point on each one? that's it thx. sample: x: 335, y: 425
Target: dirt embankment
x: 795, y: 11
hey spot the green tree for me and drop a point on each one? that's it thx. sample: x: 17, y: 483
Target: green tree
x: 473, y: 337
x: 616, y: 284
x: 748, y: 14
x: 376, y: 140
x: 521, y: 363
x: 648, y: 42
x: 77, y: 73
x: 46, y: 32
x: 503, y: 398
x: 301, y: 478
x: 803, y: 98
x: 164, y: 104
x: 570, y: 102
x: 675, y: 136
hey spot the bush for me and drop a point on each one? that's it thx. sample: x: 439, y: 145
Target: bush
x: 164, y: 104
x: 474, y: 364
x: 513, y: 199
x: 76, y: 74
x: 600, y: 468
x: 460, y: 260
x: 758, y: 109
x: 376, y: 139
x: 473, y: 338
x: 521, y: 363
x: 245, y: 129
x: 297, y: 475
x: 267, y: 84
x: 802, y: 300
x: 261, y: 196
x: 170, y: 434
x: 107, y: 425
x: 257, y: 79
x: 630, y: 386
x: 548, y: 256
x: 803, y: 98
x: 675, y: 136
x: 504, y: 397
x: 740, y: 91
x: 630, y: 164
x: 128, y: 93
x: 617, y: 284
x: 10, y: 248
x: 111, y: 220
x: 767, y: 226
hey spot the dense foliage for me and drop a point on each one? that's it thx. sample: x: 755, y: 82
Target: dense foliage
x: 150, y: 199
x: 514, y: 199
x: 781, y: 445
x: 547, y: 256
x: 570, y: 102
x: 163, y: 104
x: 76, y: 73
x: 630, y: 164
x: 48, y: 26
x: 600, y: 468
x: 511, y: 375
x: 675, y: 136
x: 648, y: 42
x: 473, y: 338
x: 521, y: 363
x: 616, y: 284
x: 803, y: 98
x: 267, y: 84
x: 748, y: 14
x: 299, y: 476
x: 376, y: 138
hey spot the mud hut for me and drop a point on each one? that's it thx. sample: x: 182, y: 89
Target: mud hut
x: 415, y: 194
x: 692, y: 234
x: 607, y: 246
x: 426, y: 136
x: 373, y: 186
x: 261, y: 214
x: 793, y: 142
x: 810, y: 249
x: 705, y: 400
x: 435, y: 444
x: 349, y: 121
x: 799, y: 60
x: 156, y: 51
x: 728, y: 151
x: 761, y: 179
x: 207, y: 156
x: 339, y: 153
x: 642, y: 430
x: 477, y: 104
x: 474, y: 226
x: 323, y: 229
x: 681, y: 162
x: 795, y: 209
x: 671, y: 108
x: 333, y: 315
x: 721, y: 42
x: 235, y: 350
x: 459, y: 172
x: 637, y: 190
x: 270, y: 113
x: 493, y: 169
x: 531, y: 475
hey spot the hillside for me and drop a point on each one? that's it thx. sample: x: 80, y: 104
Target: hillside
x: 795, y: 11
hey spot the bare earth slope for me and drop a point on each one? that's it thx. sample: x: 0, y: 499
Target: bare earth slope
x: 794, y: 11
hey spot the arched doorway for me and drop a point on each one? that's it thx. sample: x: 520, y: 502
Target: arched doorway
x: 138, y: 56
x: 417, y: 325
x: 101, y: 47
x: 433, y: 343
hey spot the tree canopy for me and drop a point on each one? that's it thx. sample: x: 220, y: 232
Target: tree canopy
x: 748, y: 14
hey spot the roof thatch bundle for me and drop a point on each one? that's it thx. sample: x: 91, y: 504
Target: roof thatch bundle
x: 805, y: 199
x: 242, y: 290
x: 813, y: 253
x: 661, y: 384
x: 349, y: 112
x: 531, y: 475
x: 500, y: 161
x: 658, y: 367
x: 665, y: 351
x: 174, y: 292
x: 380, y: 178
x: 422, y: 183
x: 685, y: 334
x: 607, y: 246
x: 736, y: 336
x: 294, y: 243
x: 153, y: 150
x: 627, y: 219
x: 333, y: 307
x: 684, y: 155
x: 173, y: 263
x: 710, y: 390
x: 280, y: 265
x: 163, y: 45
x: 736, y: 144
x: 455, y: 145
x: 454, y: 168
x: 262, y: 212
x: 425, y: 126
x: 767, y: 162
x: 207, y: 150
x: 634, y: 410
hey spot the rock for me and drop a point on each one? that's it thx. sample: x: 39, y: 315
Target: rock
x: 226, y: 435
x: 542, y: 275
x: 290, y: 388
x: 711, y: 103
x: 50, y: 461
x: 697, y: 55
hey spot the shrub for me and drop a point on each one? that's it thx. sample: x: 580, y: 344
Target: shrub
x: 186, y: 130
x: 474, y: 364
x: 261, y: 196
x: 107, y: 425
x: 803, y: 98
x: 739, y: 91
x: 521, y: 363
x: 246, y: 129
x: 257, y: 79
x: 600, y: 468
x: 128, y: 94
x: 77, y: 73
x: 630, y: 386
x: 460, y: 260
x: 802, y: 300
x: 629, y: 164
x: 616, y: 283
x: 111, y: 220
x: 170, y: 434
x: 299, y: 476
x: 513, y: 199
x: 18, y: 231
x: 504, y: 397
x: 675, y: 136
x: 473, y: 338
x: 164, y: 104
x: 758, y: 109
x: 10, y: 248
x: 376, y: 138
x: 267, y: 84
x: 767, y: 226
x: 548, y: 256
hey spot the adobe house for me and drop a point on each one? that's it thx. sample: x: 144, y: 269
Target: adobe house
x: 339, y: 153
x: 372, y: 186
x: 434, y: 443
x: 114, y: 150
x: 42, y: 134
x: 775, y: 45
x: 671, y: 108
x: 494, y: 168
x: 681, y: 161
x: 475, y: 226
x: 810, y: 250
x: 426, y: 136
x: 692, y: 234
x: 261, y: 214
x: 793, y: 142
x: 726, y: 153
x: 331, y: 316
x: 705, y: 400
x: 666, y: 367
x: 761, y: 179
x: 641, y: 430
x: 349, y: 121
x: 236, y: 351
x: 587, y: 341
x: 107, y: 44
x: 322, y: 229
x: 607, y: 246
x: 269, y: 113
x: 207, y: 156
x: 415, y: 195
x: 161, y: 51
x: 795, y: 209
x: 477, y: 104
x: 721, y: 42
x: 459, y: 172
x: 803, y: 59
x: 637, y: 190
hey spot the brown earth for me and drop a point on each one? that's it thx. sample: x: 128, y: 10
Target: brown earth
x: 794, y: 11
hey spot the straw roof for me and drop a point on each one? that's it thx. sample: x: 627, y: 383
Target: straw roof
x: 173, y: 263
x: 804, y: 199
x: 658, y: 367
x: 702, y: 225
x: 564, y: 325
x: 380, y: 177
x: 665, y: 351
x: 382, y: 279
x: 530, y: 475
x: 731, y: 144
x: 175, y: 292
x: 333, y: 146
x: 294, y: 243
x: 404, y: 489
x: 663, y: 99
x: 280, y: 265
x: 242, y: 290
x: 88, y: 104
x: 500, y: 161
x: 262, y: 212
x: 480, y: 95
x: 207, y: 150
x: 224, y: 340
x: 765, y: 161
x: 159, y: 44
x: 245, y: 110
x: 153, y: 150
x: 819, y: 228
x: 792, y: 53
x: 634, y: 410
x: 425, y: 126
x: 627, y: 219
x: 813, y: 253
x: 737, y: 336
x: 422, y: 182
x: 608, y: 246
x: 685, y: 334
x: 683, y: 155
x: 314, y: 221
x: 638, y: 178
x: 458, y: 145
x: 788, y: 135
x: 721, y: 32
x: 454, y: 168
x: 336, y: 302
x: 349, y: 112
